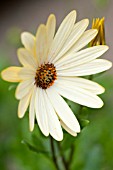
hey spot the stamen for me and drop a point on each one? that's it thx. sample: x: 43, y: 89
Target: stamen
x: 45, y: 76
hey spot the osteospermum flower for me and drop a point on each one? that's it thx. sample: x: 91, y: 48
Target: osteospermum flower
x: 51, y: 63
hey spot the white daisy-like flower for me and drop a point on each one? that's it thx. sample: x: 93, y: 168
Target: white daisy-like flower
x: 51, y: 63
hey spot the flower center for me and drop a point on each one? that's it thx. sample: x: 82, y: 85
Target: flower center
x: 45, y: 76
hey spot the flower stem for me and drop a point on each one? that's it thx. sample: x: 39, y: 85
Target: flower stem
x: 65, y: 163
x: 71, y: 154
x: 53, y: 153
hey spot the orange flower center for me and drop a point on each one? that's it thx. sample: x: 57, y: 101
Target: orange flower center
x: 45, y: 76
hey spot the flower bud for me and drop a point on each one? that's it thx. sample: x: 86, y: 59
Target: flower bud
x: 100, y: 37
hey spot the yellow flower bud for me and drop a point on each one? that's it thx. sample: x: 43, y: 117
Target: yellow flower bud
x: 100, y: 37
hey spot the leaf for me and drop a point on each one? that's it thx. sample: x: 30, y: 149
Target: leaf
x: 84, y: 123
x: 102, y: 3
x: 39, y: 140
x: 33, y: 148
x: 11, y: 87
x: 13, y: 36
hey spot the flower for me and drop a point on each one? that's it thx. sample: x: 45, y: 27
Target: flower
x: 51, y: 64
x: 100, y: 37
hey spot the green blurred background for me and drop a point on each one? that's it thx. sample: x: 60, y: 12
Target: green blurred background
x: 94, y: 146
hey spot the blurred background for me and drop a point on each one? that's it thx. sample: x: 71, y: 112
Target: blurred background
x: 94, y: 146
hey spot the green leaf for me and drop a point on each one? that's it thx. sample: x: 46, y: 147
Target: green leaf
x: 33, y: 148
x: 84, y: 123
x: 11, y: 87
x: 13, y: 36
x: 102, y: 3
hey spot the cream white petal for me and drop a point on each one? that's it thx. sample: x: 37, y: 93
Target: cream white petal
x: 81, y: 83
x: 41, y: 114
x: 27, y: 73
x: 81, y: 57
x: 23, y: 104
x: 68, y: 129
x: 63, y: 110
x: 76, y: 33
x: 51, y: 26
x: 32, y: 110
x: 55, y: 129
x: 78, y: 95
x: 26, y: 58
x: 28, y: 40
x: 11, y: 74
x: 23, y: 88
x: 62, y: 34
x: 86, y: 37
x: 41, y: 44
x: 93, y: 67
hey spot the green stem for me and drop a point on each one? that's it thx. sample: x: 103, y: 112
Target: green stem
x: 65, y: 163
x: 72, y: 146
x: 53, y: 153
x: 71, y: 154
